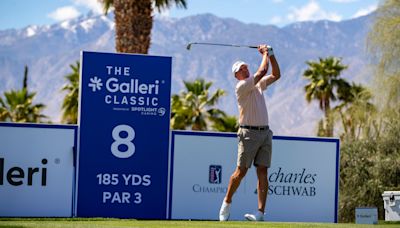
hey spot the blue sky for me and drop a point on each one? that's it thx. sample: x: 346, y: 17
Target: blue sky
x: 21, y: 13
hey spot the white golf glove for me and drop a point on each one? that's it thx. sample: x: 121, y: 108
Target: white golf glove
x: 270, y: 51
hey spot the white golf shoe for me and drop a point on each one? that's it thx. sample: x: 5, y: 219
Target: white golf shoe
x: 258, y: 216
x: 224, y: 212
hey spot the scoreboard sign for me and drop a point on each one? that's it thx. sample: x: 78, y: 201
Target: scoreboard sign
x: 124, y: 136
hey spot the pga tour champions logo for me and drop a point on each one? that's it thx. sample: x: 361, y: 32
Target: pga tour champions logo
x: 215, y: 174
x: 214, y: 180
x: 125, y: 93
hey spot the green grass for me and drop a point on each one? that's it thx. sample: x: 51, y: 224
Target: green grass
x: 108, y: 222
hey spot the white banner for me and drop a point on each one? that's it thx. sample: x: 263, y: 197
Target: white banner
x: 303, y: 178
x: 36, y: 170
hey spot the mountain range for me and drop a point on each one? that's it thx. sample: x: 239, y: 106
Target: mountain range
x: 49, y: 50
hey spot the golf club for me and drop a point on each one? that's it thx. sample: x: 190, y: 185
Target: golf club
x: 216, y: 44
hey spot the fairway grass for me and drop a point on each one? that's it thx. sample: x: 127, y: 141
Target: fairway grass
x: 104, y: 222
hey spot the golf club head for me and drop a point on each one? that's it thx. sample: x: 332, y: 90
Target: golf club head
x: 188, y: 46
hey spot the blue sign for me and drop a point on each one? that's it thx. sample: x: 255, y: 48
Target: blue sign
x: 124, y: 136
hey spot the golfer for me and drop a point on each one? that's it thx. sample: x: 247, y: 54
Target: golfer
x: 254, y: 135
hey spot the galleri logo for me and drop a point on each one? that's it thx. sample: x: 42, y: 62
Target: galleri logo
x: 29, y: 176
x: 215, y: 174
x: 95, y: 83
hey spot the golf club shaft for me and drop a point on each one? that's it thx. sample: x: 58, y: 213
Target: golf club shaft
x: 218, y: 44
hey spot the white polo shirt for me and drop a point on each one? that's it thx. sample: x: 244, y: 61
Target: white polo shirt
x: 251, y: 102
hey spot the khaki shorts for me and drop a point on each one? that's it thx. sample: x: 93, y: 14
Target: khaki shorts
x: 255, y: 146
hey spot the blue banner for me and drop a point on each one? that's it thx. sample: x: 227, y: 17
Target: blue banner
x: 124, y: 136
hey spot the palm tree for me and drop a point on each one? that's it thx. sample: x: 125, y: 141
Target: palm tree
x: 357, y: 113
x: 134, y: 21
x: 194, y: 107
x: 18, y: 107
x: 70, y: 102
x: 225, y: 124
x: 324, y: 79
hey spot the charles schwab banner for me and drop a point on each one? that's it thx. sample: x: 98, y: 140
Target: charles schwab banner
x: 124, y: 135
x: 303, y: 178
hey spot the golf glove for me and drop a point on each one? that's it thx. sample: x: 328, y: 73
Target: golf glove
x: 270, y: 51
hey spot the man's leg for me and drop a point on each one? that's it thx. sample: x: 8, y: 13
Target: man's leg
x: 234, y: 182
x: 262, y: 187
x: 262, y: 190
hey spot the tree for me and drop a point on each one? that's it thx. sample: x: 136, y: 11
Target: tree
x: 372, y: 165
x: 225, y: 123
x: 384, y: 45
x: 195, y: 107
x: 18, y: 105
x: 368, y: 167
x: 324, y: 79
x: 70, y: 102
x: 180, y: 114
x: 134, y: 21
x: 357, y: 114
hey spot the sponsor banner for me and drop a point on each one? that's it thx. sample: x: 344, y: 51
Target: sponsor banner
x: 303, y: 178
x: 36, y: 170
x: 366, y: 215
x: 124, y: 136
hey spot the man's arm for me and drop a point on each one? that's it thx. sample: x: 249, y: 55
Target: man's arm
x: 276, y: 73
x: 263, y: 69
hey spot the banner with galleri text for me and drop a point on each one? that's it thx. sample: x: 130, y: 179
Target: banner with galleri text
x: 124, y: 136
x: 37, y: 169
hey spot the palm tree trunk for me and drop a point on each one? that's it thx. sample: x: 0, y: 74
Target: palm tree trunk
x: 344, y: 122
x: 133, y: 24
x: 328, y: 117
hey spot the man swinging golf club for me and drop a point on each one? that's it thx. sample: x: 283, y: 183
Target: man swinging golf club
x: 254, y: 135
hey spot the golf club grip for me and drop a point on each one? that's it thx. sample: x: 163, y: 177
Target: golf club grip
x: 253, y: 46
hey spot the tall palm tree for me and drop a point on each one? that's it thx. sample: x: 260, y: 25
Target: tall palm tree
x: 324, y: 84
x: 70, y: 102
x: 134, y: 21
x: 18, y: 105
x: 195, y: 107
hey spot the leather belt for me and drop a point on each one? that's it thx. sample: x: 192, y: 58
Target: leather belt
x: 260, y: 128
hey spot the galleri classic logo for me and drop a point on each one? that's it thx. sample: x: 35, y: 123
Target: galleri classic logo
x: 124, y: 92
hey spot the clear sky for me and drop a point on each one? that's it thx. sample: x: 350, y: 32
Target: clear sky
x: 21, y: 13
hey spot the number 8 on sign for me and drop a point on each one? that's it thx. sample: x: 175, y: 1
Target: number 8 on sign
x: 127, y: 141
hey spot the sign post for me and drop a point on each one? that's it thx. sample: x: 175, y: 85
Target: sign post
x: 124, y: 136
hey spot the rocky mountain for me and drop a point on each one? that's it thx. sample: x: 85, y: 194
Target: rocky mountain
x: 49, y: 50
